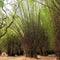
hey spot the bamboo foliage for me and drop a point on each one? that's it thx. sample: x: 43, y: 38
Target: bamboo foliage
x: 34, y: 23
x: 31, y: 25
x: 56, y: 19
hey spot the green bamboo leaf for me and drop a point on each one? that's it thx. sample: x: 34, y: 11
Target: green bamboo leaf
x: 1, y: 3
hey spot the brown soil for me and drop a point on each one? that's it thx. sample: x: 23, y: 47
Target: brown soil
x: 27, y: 58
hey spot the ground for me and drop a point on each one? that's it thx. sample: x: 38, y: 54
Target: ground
x: 27, y: 58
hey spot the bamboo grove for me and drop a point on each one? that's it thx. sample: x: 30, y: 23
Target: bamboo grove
x: 30, y: 27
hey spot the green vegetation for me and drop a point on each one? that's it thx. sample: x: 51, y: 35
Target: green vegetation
x: 30, y: 26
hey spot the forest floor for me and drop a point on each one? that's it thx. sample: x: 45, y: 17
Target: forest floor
x: 51, y: 57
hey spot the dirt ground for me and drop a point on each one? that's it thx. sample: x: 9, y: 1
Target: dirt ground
x: 27, y: 58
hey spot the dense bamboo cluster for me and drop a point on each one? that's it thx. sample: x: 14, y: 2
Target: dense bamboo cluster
x: 32, y: 27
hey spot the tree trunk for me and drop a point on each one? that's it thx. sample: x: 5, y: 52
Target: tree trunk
x: 30, y: 53
x: 58, y: 51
